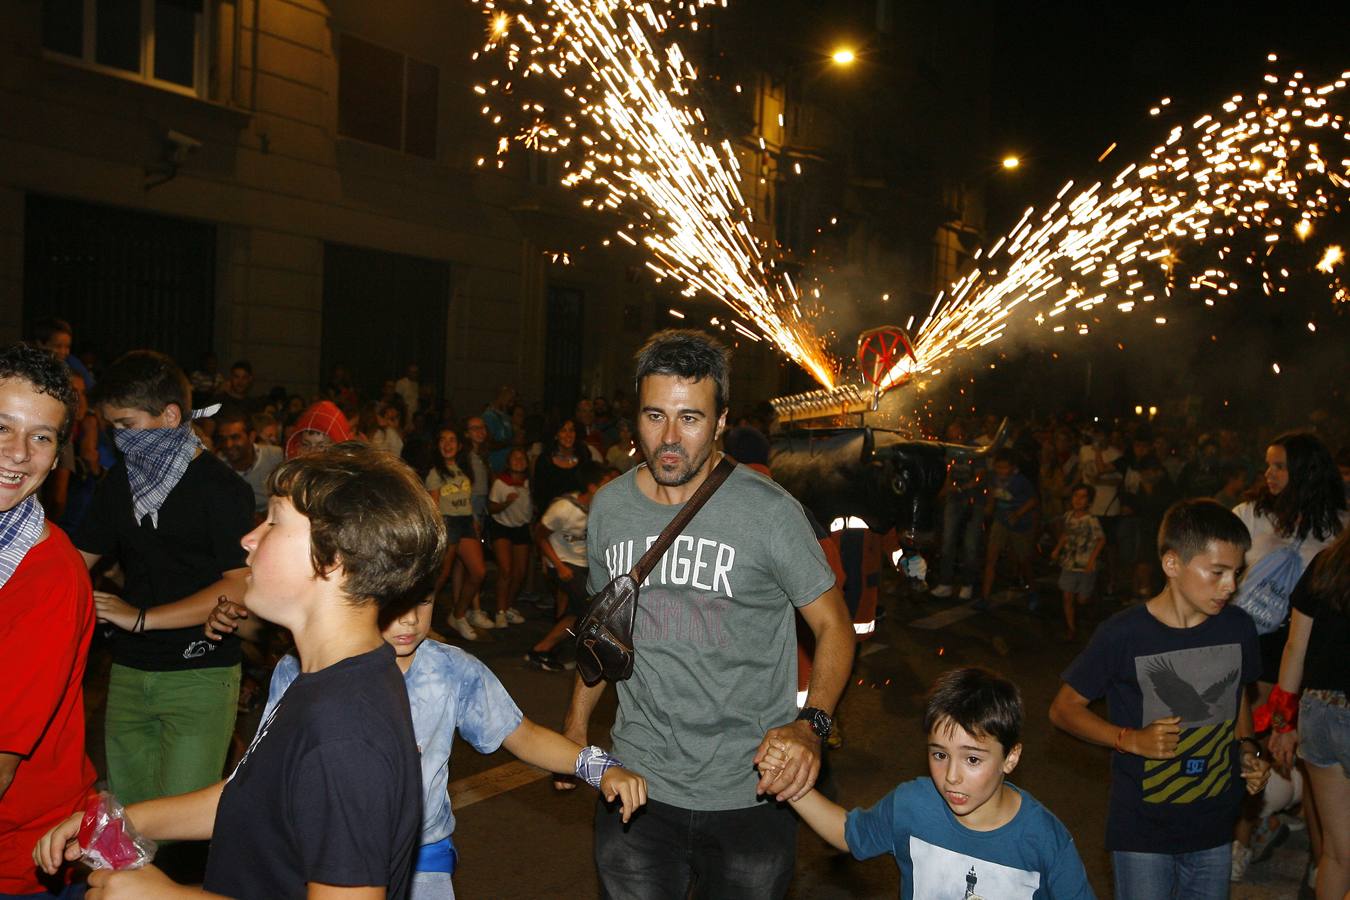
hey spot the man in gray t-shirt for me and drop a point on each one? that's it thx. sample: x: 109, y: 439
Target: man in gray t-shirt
x: 236, y: 443
x: 715, y: 674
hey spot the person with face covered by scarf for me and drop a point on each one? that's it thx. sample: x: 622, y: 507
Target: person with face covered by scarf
x: 172, y: 516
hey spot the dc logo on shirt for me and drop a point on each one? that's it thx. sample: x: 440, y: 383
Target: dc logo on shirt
x: 1195, y: 766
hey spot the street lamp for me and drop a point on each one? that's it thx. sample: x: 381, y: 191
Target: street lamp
x: 843, y: 57
x: 1011, y: 162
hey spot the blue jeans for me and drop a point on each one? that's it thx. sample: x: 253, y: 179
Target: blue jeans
x: 1199, y: 875
x: 960, y: 529
x: 746, y: 854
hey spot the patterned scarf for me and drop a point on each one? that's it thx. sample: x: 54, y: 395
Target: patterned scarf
x: 156, y: 460
x: 20, y: 529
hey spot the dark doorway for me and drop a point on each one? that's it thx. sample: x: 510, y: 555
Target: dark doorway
x: 123, y: 279
x: 562, y: 352
x: 382, y: 311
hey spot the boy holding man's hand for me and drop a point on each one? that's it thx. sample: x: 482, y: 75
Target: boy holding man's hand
x: 965, y: 826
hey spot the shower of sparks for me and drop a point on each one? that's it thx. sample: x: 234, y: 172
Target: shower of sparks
x: 1268, y: 165
x: 630, y: 139
x: 1331, y: 258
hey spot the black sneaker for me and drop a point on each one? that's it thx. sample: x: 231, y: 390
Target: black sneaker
x: 545, y: 662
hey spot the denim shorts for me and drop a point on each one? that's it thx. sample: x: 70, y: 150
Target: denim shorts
x: 432, y: 886
x: 1324, y: 733
x: 1073, y: 581
x: 458, y: 528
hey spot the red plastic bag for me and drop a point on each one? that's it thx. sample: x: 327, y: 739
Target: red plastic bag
x: 107, y: 838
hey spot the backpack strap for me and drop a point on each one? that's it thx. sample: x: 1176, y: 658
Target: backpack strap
x: 682, y: 518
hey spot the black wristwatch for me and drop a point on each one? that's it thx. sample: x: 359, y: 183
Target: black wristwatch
x: 819, y: 721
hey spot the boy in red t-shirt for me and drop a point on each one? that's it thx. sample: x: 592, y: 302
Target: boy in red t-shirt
x: 46, y: 621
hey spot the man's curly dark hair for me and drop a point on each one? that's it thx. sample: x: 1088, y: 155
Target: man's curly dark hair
x: 47, y: 374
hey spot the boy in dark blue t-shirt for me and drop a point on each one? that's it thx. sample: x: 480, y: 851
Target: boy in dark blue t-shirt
x: 326, y: 803
x: 1012, y: 504
x: 1172, y: 672
x: 963, y: 831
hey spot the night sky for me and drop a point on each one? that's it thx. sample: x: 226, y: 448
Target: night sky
x: 1070, y: 78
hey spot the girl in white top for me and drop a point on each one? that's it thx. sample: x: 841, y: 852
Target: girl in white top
x: 509, y: 503
x: 1301, y: 499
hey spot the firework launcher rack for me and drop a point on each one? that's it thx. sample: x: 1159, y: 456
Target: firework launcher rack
x: 827, y: 456
x: 879, y: 351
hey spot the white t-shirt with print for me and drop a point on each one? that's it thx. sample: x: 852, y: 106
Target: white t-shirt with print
x: 566, y: 522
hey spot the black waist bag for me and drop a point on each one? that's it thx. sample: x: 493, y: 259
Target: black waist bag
x: 605, y: 632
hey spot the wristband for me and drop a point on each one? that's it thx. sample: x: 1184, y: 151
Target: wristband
x: 139, y: 627
x: 1120, y: 737
x: 592, y: 762
x: 1280, y: 711
x: 1255, y: 744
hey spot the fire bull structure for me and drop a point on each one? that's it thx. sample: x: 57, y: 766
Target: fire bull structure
x: 873, y: 489
x: 825, y: 452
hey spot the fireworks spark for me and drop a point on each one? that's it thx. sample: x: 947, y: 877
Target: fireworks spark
x: 1331, y: 258
x: 1259, y: 168
x: 632, y: 142
x: 616, y: 110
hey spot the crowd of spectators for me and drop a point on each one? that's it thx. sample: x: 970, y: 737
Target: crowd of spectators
x: 1133, y: 468
x: 1081, y: 500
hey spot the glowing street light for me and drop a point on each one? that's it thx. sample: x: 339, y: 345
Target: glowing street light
x: 1011, y: 162
x: 844, y: 57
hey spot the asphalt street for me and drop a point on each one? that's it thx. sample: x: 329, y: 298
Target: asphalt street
x: 529, y: 840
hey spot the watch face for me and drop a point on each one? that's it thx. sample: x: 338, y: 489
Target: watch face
x: 820, y: 722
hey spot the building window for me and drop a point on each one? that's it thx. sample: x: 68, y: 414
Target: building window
x: 162, y: 42
x: 131, y: 279
x: 387, y: 98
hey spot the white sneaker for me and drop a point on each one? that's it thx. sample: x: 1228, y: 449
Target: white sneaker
x: 514, y: 618
x: 499, y: 621
x: 942, y: 591
x: 479, y: 619
x: 1242, y: 858
x: 465, y: 630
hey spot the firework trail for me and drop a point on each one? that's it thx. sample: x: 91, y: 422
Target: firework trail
x: 631, y: 139
x: 1269, y: 165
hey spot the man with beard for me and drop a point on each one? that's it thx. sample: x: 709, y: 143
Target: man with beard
x: 237, y: 444
x: 714, y: 680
